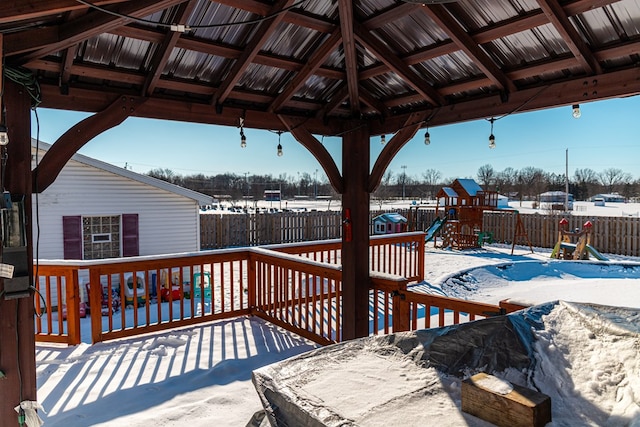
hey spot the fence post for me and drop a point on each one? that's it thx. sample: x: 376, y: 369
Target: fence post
x: 401, y: 312
x: 73, y: 307
x: 95, y: 303
x: 251, y: 281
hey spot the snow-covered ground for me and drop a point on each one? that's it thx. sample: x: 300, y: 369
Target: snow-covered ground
x: 201, y: 376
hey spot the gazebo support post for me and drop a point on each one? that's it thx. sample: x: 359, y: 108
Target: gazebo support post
x: 355, y: 243
x: 17, y: 340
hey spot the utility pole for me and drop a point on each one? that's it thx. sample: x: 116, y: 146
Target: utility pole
x: 246, y: 183
x: 404, y: 178
x: 315, y: 185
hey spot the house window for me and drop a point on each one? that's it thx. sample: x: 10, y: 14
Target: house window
x: 98, y: 237
x: 101, y: 237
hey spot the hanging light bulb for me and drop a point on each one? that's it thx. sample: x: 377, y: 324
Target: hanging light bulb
x: 492, y: 138
x: 243, y: 139
x: 4, y: 136
x: 383, y: 139
x: 492, y: 141
x: 576, y: 111
x: 427, y: 137
x: 280, y: 153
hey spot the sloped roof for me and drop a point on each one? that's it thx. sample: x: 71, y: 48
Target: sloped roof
x: 390, y: 217
x: 278, y: 64
x: 202, y: 199
x: 449, y: 192
x: 469, y: 185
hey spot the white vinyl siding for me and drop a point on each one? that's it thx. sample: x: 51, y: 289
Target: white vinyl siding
x: 168, y: 222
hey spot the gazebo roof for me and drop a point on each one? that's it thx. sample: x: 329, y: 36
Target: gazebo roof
x: 281, y: 64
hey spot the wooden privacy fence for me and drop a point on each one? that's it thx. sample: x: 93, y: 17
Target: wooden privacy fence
x: 612, y: 235
x: 219, y: 231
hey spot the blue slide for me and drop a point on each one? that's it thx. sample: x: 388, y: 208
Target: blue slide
x: 435, y: 226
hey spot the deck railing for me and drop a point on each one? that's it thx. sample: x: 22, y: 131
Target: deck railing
x: 297, y: 287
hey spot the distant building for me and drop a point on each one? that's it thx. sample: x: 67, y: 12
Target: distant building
x: 388, y: 223
x: 608, y: 197
x: 94, y: 210
x: 555, y: 200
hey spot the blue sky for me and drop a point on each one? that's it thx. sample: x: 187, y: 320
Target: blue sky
x: 606, y: 136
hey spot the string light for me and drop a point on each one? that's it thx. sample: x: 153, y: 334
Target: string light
x: 4, y: 136
x: 427, y: 137
x: 576, y: 111
x: 383, y: 139
x: 492, y: 139
x: 280, y: 153
x: 243, y: 138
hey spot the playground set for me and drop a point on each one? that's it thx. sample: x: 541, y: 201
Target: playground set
x: 575, y: 245
x: 459, y: 216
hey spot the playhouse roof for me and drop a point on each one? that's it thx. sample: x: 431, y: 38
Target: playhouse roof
x: 469, y: 185
x: 390, y: 217
x: 448, y: 192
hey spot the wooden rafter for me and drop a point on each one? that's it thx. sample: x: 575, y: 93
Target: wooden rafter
x: 396, y: 65
x: 49, y: 40
x: 72, y: 140
x: 569, y: 34
x: 19, y: 10
x: 316, y: 60
x: 336, y: 100
x: 440, y: 15
x: 315, y: 147
x: 350, y: 55
x: 262, y: 34
x: 163, y: 52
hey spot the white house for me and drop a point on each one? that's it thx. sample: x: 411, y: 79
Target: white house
x: 95, y: 210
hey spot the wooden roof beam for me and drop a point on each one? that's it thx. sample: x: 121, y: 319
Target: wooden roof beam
x: 398, y: 66
x: 163, y: 52
x: 345, y: 8
x: 558, y: 18
x: 441, y: 16
x: 412, y: 124
x: 315, y: 147
x: 261, y: 35
x: 314, y: 62
x: 45, y: 41
x: 19, y: 10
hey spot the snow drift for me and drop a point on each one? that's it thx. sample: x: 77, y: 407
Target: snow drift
x: 584, y: 356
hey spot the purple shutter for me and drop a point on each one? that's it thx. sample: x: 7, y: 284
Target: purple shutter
x: 130, y: 245
x: 72, y: 237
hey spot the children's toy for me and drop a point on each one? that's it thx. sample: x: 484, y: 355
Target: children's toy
x: 575, y: 245
x: 201, y: 282
x: 108, y: 303
x: 140, y: 289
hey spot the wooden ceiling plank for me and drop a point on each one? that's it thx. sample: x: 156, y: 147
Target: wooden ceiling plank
x: 163, y: 52
x: 398, y: 66
x: 336, y: 100
x: 441, y: 16
x: 314, y: 62
x: 251, y: 50
x: 559, y: 19
x: 345, y: 8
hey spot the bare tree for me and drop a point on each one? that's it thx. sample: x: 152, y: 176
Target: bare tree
x: 505, y: 180
x: 432, y: 179
x: 486, y: 176
x: 612, y: 178
x: 585, y: 183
